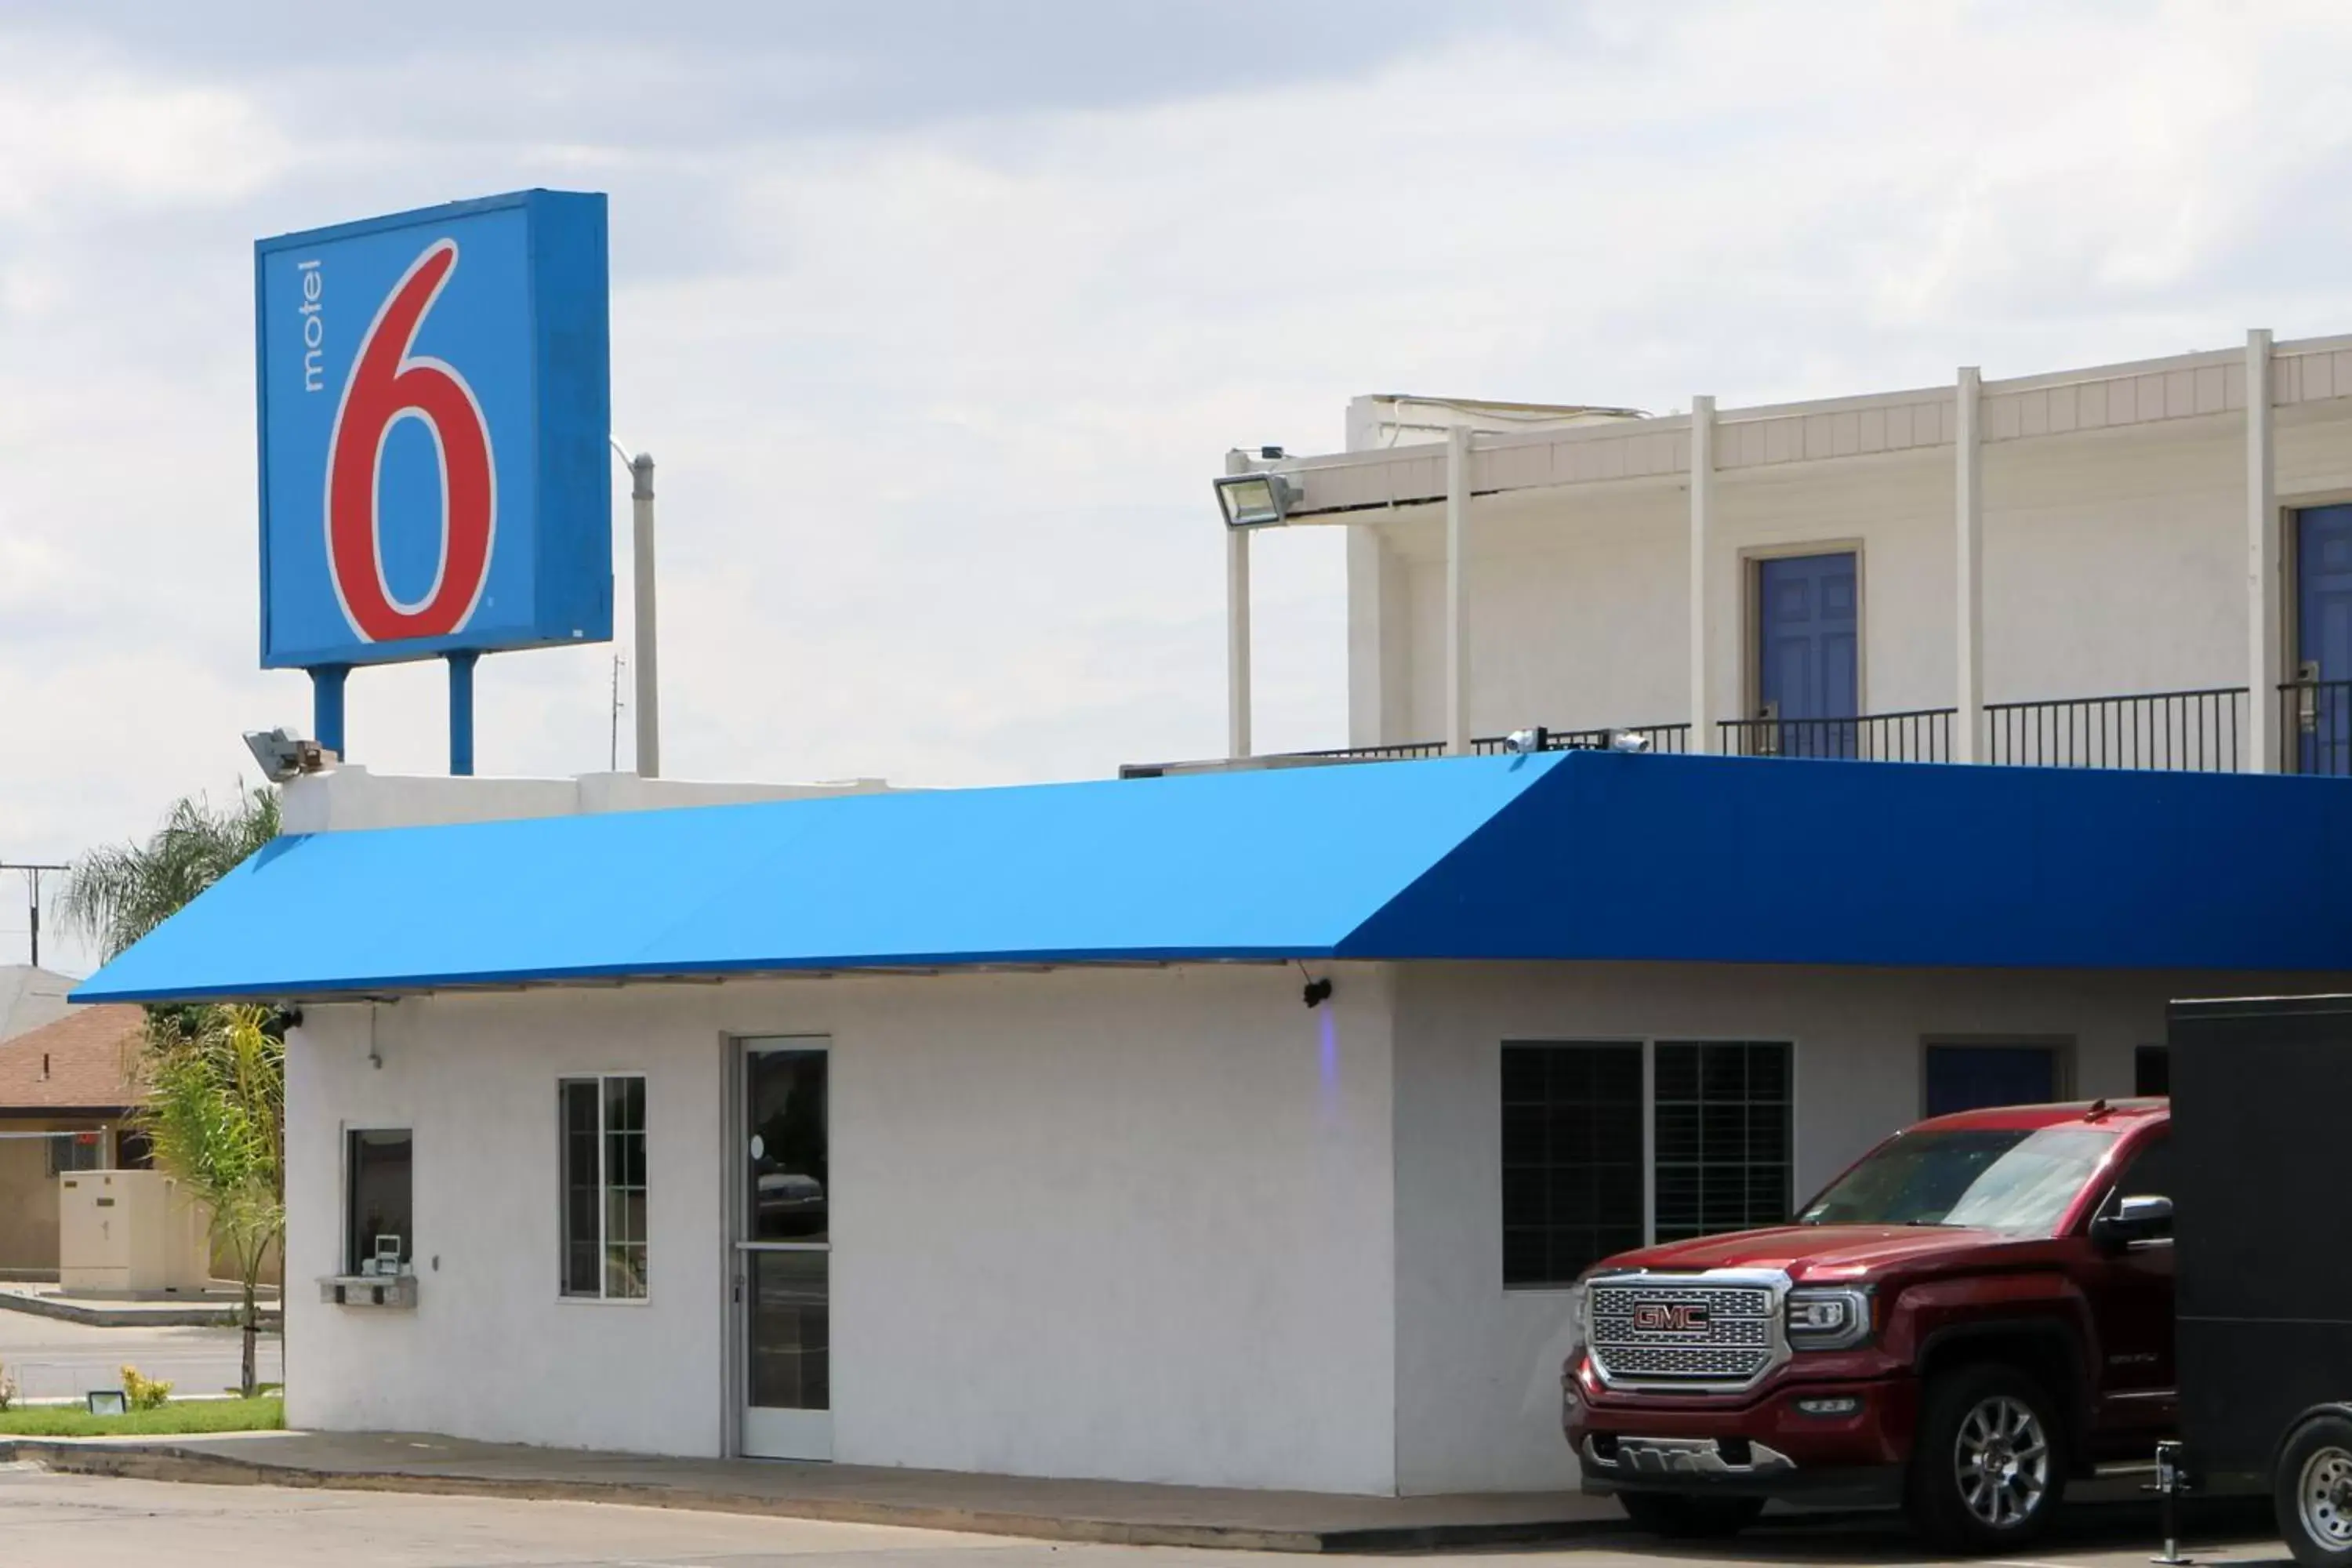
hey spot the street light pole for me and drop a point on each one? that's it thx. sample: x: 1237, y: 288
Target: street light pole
x: 641, y: 518
x: 32, y: 877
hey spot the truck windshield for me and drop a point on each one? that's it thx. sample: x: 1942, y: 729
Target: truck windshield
x: 2009, y: 1179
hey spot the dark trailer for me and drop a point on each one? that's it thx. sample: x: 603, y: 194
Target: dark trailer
x: 2262, y: 1131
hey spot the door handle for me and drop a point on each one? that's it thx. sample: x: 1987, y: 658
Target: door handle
x: 739, y: 1290
x: 2307, y: 696
x: 1767, y: 737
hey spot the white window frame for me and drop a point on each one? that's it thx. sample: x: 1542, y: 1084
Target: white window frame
x: 601, y: 1296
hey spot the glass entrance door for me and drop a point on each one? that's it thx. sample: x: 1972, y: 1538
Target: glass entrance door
x: 783, y: 1251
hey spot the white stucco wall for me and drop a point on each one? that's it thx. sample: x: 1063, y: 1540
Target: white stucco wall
x: 2114, y: 563
x: 1131, y: 1224
x: 1477, y: 1386
x: 492, y: 1350
x: 349, y: 798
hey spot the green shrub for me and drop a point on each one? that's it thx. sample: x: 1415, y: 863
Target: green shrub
x: 144, y: 1393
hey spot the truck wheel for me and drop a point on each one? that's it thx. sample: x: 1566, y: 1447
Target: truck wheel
x: 2313, y: 1493
x: 1680, y: 1517
x: 1987, y: 1470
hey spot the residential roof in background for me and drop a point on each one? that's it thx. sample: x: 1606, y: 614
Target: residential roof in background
x: 86, y: 1060
x: 30, y: 997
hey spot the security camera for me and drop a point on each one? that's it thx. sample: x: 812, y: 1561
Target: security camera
x: 1521, y: 742
x: 284, y: 755
x: 1626, y: 740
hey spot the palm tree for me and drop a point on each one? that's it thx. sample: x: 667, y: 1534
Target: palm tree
x: 216, y: 1117
x: 215, y: 1110
x: 119, y: 892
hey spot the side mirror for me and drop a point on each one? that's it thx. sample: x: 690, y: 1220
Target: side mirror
x: 2134, y: 1219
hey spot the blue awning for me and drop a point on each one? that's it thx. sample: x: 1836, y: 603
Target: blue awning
x: 1567, y: 856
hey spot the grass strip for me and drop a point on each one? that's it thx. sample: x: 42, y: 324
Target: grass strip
x: 264, y: 1413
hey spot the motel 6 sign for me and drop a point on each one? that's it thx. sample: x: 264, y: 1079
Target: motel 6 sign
x: 436, y: 403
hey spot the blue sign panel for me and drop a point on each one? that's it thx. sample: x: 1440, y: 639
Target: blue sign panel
x: 436, y: 403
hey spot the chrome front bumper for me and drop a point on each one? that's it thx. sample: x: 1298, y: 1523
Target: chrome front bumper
x: 1662, y: 1457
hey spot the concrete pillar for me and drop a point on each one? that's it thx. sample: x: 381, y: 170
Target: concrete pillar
x: 1967, y: 524
x: 1457, y: 627
x: 2264, y: 622
x: 1702, y: 557
x: 1237, y: 628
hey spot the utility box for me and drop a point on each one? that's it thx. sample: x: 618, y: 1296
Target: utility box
x: 127, y: 1232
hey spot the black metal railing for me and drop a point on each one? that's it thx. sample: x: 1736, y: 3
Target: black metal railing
x: 2183, y: 731
x: 1658, y: 738
x: 1920, y: 735
x: 1404, y: 751
x: 2316, y: 728
x: 1668, y: 738
x: 2199, y: 731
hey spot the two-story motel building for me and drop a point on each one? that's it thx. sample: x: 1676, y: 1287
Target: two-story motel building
x: 1014, y: 1129
x: 2129, y: 565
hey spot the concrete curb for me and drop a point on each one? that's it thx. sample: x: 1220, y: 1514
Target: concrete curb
x: 166, y: 1462
x: 132, y: 1316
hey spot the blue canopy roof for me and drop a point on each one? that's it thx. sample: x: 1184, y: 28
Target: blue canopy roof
x: 1566, y: 856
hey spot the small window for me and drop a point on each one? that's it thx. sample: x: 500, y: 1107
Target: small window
x: 1571, y: 1158
x: 379, y: 1169
x: 71, y: 1151
x: 2152, y: 1072
x: 603, y: 1128
x: 1723, y: 1113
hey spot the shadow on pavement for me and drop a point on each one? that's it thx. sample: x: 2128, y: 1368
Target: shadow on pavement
x: 2235, y: 1531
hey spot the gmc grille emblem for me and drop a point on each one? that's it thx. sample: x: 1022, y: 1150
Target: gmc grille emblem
x: 1655, y: 1317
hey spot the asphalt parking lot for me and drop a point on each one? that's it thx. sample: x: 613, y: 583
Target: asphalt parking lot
x: 54, y: 1520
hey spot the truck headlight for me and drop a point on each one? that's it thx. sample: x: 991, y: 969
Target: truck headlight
x: 1579, y: 1332
x: 1828, y: 1320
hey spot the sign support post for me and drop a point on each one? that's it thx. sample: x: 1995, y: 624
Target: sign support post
x: 461, y: 712
x: 641, y: 509
x: 327, y: 706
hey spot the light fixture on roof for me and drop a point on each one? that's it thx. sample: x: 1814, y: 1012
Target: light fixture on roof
x: 1627, y: 740
x: 283, y: 755
x: 1257, y: 500
x: 1523, y: 742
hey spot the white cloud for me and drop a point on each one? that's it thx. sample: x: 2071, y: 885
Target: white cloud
x: 77, y: 134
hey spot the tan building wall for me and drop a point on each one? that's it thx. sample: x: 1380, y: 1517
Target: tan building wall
x: 28, y: 1197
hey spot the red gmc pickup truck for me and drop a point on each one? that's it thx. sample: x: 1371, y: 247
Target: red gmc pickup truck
x: 1977, y: 1311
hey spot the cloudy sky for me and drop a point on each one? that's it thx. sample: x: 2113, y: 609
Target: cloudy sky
x: 940, y: 313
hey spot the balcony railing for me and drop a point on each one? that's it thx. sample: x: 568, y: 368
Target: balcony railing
x: 1654, y: 738
x: 2316, y: 728
x: 2183, y: 731
x: 1920, y: 735
x: 2200, y: 731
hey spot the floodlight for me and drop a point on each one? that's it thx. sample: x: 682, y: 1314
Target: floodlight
x: 108, y: 1402
x: 282, y: 754
x: 1256, y: 501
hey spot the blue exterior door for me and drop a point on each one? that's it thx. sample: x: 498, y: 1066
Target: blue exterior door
x: 2323, y: 575
x: 1808, y: 656
x: 1974, y: 1078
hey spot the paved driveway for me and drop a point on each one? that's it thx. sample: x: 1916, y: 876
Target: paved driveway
x: 51, y: 1521
x: 48, y: 1358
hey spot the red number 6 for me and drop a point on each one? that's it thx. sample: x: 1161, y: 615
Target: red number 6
x: 386, y: 385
